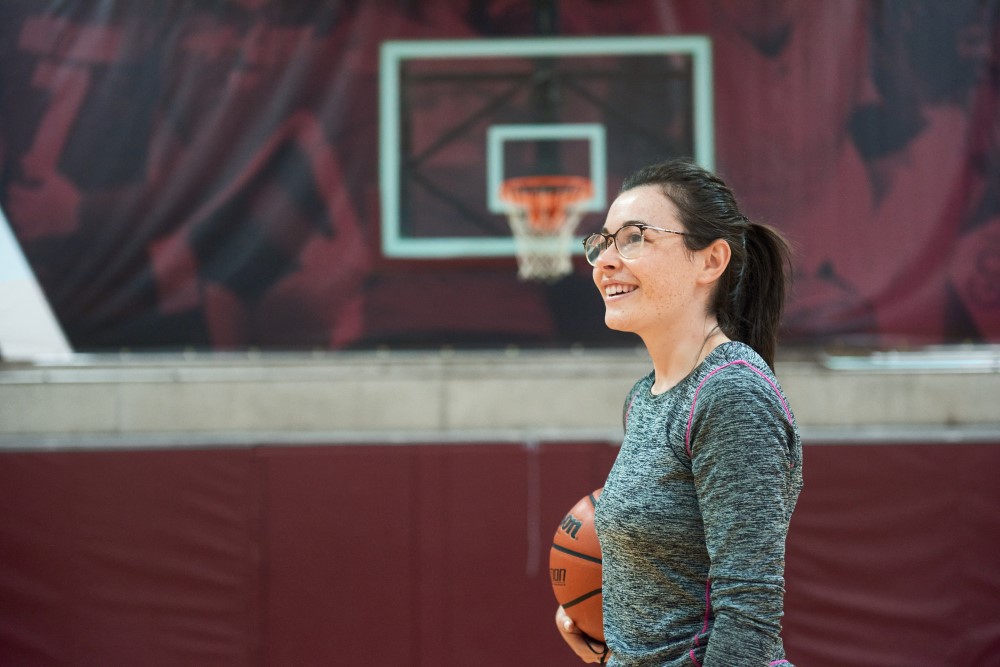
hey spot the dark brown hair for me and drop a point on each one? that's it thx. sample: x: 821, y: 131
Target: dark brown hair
x: 750, y: 295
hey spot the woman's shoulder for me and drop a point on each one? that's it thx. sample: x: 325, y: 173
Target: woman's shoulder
x: 737, y: 393
x: 740, y: 360
x: 736, y: 351
x: 734, y: 374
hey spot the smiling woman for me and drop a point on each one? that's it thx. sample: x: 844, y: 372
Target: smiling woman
x: 695, y: 510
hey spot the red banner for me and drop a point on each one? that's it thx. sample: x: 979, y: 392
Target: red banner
x: 206, y: 175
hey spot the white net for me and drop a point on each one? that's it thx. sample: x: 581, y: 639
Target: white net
x: 543, y: 253
x: 544, y: 212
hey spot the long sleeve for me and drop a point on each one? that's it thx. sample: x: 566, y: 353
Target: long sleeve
x: 747, y: 475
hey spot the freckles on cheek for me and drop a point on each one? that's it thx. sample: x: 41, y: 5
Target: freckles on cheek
x: 665, y: 301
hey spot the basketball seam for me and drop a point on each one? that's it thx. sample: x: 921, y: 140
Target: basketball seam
x: 576, y: 553
x: 585, y: 596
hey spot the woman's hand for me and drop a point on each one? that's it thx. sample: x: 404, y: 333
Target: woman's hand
x: 587, y: 649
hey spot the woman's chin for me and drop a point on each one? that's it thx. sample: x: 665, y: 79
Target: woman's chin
x: 616, y: 322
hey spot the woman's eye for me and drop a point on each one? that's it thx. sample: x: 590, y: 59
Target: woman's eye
x: 633, y: 236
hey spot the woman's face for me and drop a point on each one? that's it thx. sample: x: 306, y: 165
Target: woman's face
x: 655, y: 291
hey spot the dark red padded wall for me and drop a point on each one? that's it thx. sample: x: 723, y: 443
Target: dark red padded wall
x: 129, y: 558
x: 435, y: 554
x: 417, y: 555
x: 894, y: 557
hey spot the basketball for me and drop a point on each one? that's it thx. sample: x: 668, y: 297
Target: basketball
x: 575, y: 567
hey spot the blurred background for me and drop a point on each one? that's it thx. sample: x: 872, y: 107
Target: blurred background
x: 272, y: 392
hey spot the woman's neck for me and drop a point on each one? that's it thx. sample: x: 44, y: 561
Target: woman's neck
x: 677, y: 354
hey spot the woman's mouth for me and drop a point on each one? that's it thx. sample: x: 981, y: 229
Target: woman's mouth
x: 611, y: 291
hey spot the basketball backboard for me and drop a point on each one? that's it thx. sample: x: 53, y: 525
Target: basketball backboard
x: 458, y: 117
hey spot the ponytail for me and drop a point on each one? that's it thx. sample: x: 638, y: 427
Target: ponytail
x: 750, y: 296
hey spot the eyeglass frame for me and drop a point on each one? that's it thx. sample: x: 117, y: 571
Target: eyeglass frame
x: 613, y: 238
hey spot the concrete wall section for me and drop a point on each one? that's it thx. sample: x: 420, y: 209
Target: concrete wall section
x: 447, y: 396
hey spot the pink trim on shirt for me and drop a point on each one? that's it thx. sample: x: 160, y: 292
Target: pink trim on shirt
x: 694, y: 401
x: 708, y: 607
x: 628, y: 410
x: 704, y: 627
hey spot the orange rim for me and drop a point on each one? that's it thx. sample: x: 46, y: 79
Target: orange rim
x: 546, y: 198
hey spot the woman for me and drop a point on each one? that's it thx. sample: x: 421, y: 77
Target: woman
x: 693, y: 516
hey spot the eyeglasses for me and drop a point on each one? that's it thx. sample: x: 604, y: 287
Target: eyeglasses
x: 628, y: 239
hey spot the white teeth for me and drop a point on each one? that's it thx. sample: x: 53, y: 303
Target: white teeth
x: 613, y: 290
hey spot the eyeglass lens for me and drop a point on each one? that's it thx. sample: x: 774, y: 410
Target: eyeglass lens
x: 628, y: 240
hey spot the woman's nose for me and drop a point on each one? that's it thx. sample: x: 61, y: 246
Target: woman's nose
x: 609, y: 255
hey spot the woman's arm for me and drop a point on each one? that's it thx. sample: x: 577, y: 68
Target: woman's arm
x: 744, y: 452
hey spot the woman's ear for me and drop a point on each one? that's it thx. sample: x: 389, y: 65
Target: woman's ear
x: 714, y: 260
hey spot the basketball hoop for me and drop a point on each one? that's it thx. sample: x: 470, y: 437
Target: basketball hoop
x: 543, y: 212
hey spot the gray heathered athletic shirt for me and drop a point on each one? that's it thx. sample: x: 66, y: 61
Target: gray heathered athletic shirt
x: 702, y: 491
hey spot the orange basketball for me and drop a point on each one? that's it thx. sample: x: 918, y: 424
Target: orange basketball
x: 575, y: 567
